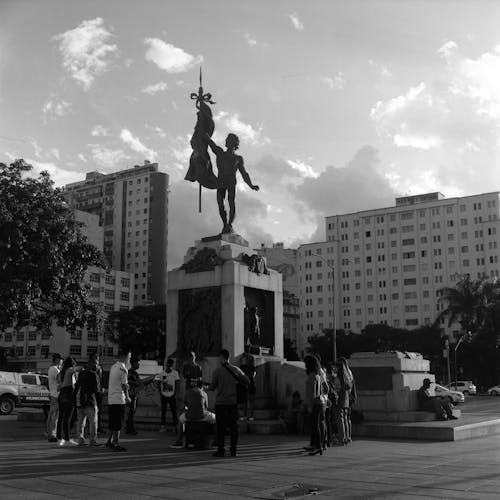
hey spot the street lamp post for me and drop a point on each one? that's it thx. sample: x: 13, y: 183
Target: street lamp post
x: 334, y: 309
x: 456, y: 348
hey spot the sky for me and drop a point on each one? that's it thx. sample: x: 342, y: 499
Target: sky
x: 340, y: 105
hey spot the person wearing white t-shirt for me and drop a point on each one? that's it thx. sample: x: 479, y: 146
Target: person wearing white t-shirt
x: 169, y: 382
x: 118, y: 399
x: 54, y: 394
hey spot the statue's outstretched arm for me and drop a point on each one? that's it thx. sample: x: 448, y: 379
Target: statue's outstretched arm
x: 246, y: 177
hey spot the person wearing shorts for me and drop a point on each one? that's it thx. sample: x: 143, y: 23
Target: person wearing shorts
x: 118, y: 398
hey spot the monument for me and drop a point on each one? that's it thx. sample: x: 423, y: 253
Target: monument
x: 223, y: 296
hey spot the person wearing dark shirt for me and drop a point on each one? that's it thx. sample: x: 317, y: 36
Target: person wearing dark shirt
x: 196, y: 410
x: 191, y: 371
x: 86, y: 390
x: 429, y: 402
x: 248, y: 368
x: 224, y: 381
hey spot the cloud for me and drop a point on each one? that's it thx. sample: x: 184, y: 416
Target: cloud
x: 411, y: 120
x: 360, y: 185
x: 107, y: 157
x: 252, y: 42
x: 304, y: 169
x: 157, y: 130
x: 447, y: 49
x: 246, y: 132
x: 56, y: 107
x: 383, y: 69
x: 60, y: 176
x: 335, y: 83
x: 82, y: 157
x: 155, y: 88
x: 168, y: 57
x: 136, y: 145
x: 99, y: 131
x: 86, y: 51
x: 296, y: 22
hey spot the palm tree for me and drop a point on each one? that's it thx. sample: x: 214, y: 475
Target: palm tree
x: 471, y: 303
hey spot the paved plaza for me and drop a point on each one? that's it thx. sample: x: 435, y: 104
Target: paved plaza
x: 268, y: 467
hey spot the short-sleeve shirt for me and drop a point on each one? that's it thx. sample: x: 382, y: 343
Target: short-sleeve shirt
x: 117, y: 377
x: 52, y: 374
x: 167, y: 381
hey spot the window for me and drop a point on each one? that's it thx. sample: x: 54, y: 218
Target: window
x: 407, y: 229
x: 20, y: 336
x: 31, y: 350
x: 410, y: 281
x: 32, y: 335
x: 125, y: 282
x: 110, y: 279
x: 44, y: 350
x: 95, y: 277
x: 109, y: 294
x: 409, y: 241
x: 92, y: 335
x: 91, y: 349
x: 75, y: 350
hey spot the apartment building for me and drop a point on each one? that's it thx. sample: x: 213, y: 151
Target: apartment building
x: 315, y: 273
x: 132, y: 206
x: 393, y: 261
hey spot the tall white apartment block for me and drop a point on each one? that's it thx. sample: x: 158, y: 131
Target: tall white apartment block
x: 393, y: 261
x: 132, y: 207
x: 315, y: 269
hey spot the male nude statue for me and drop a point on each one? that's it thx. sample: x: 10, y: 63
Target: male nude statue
x: 227, y: 164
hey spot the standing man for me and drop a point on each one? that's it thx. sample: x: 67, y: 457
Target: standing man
x: 228, y: 163
x: 86, y: 390
x: 53, y: 415
x: 191, y: 371
x: 169, y: 385
x: 118, y: 399
x: 224, y: 381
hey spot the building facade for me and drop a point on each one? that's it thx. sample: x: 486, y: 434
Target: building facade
x: 393, y: 261
x: 132, y: 206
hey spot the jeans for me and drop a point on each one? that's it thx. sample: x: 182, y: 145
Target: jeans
x: 226, y: 416
x: 130, y: 416
x: 170, y: 400
x: 344, y: 425
x: 440, y: 406
x: 87, y: 413
x: 65, y: 413
x: 52, y: 417
x: 318, y: 427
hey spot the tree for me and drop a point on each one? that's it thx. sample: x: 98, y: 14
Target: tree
x: 141, y: 330
x: 43, y: 254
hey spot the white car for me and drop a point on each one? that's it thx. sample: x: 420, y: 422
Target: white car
x: 454, y: 396
x: 465, y: 386
x: 494, y: 391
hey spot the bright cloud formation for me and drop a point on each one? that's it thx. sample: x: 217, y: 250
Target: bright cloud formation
x: 252, y: 42
x: 107, y: 157
x: 303, y: 168
x: 155, y: 88
x: 296, y: 22
x: 136, y: 145
x: 55, y: 107
x: 86, y: 51
x: 336, y: 83
x: 99, y: 131
x: 245, y: 131
x: 168, y: 57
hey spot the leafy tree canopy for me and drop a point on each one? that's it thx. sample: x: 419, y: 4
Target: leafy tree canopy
x: 141, y: 330
x: 43, y: 254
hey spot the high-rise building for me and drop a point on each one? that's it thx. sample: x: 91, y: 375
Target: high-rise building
x: 393, y: 262
x: 132, y: 206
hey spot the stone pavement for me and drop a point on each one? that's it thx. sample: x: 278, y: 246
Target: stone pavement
x: 267, y: 467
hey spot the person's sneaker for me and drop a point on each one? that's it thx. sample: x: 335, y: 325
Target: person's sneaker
x: 163, y: 428
x: 52, y: 439
x: 243, y: 418
x: 444, y: 417
x: 81, y: 442
x: 218, y: 453
x: 452, y: 417
x: 176, y: 445
x: 62, y: 442
x: 117, y: 447
x: 251, y: 418
x: 109, y: 445
x: 72, y: 442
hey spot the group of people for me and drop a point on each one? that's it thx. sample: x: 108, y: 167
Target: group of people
x: 330, y: 394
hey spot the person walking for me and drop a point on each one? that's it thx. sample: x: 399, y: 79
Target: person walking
x: 347, y: 397
x: 66, y: 383
x: 118, y: 398
x: 86, y: 390
x: 169, y: 386
x: 224, y: 381
x: 53, y: 415
x: 316, y: 398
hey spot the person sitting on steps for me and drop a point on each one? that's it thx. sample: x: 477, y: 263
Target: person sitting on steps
x: 428, y: 401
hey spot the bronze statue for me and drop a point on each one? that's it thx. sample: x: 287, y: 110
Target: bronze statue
x: 228, y: 163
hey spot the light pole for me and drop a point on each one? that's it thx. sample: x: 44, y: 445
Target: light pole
x: 334, y: 309
x: 456, y: 347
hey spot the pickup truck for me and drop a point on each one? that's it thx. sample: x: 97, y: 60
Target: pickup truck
x: 23, y: 389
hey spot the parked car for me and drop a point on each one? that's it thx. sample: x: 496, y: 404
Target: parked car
x: 454, y: 396
x: 465, y: 386
x: 23, y: 389
x: 494, y: 391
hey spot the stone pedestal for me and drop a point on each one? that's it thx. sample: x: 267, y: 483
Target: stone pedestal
x: 387, y: 383
x: 207, y: 299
